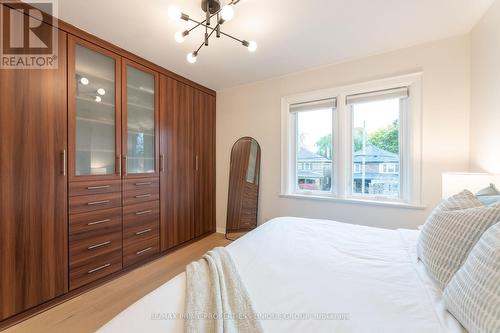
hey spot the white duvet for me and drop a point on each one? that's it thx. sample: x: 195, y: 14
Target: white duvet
x: 308, y: 275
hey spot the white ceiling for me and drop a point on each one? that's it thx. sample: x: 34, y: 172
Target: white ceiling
x: 292, y: 35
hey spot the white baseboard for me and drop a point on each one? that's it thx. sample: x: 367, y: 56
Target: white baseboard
x: 220, y: 230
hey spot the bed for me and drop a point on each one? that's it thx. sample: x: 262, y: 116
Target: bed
x: 306, y: 275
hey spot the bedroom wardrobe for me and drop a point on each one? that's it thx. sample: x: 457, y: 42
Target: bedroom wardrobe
x: 107, y: 163
x: 187, y: 152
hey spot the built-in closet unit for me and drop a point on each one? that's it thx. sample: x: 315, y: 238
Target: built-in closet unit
x: 107, y: 162
x: 187, y: 146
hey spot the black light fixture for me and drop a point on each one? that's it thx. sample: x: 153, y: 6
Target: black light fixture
x: 211, y: 8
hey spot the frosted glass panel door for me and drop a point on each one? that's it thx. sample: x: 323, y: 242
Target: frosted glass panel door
x: 140, y: 121
x: 95, y: 113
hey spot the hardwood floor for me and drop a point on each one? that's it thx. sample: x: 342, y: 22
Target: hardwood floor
x: 88, y: 312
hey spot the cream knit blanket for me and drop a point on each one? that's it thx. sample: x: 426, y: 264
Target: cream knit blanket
x: 216, y: 299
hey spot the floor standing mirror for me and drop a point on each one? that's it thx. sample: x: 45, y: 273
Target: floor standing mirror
x: 243, y: 188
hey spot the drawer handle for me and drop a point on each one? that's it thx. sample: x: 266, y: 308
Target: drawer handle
x: 99, y: 222
x: 144, y: 212
x: 98, y: 202
x: 143, y: 184
x: 98, y: 245
x: 98, y: 187
x: 98, y: 268
x: 142, y: 196
x: 143, y: 232
x: 143, y: 251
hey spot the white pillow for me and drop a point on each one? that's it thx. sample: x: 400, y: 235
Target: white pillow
x: 449, y: 234
x: 473, y: 294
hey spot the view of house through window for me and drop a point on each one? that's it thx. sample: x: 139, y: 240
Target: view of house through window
x: 376, y: 148
x: 314, y: 150
x: 357, y: 143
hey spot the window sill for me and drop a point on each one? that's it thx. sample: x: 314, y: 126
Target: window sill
x: 365, y: 202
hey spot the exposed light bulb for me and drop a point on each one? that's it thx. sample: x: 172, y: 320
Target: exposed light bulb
x: 98, y: 99
x: 84, y: 81
x: 191, y: 58
x: 227, y: 13
x: 179, y: 37
x: 174, y: 13
x: 101, y: 91
x: 252, y: 46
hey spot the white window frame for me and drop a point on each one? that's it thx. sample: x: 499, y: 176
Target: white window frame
x: 292, y: 166
x: 342, y: 163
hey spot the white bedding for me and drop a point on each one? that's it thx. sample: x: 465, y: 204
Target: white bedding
x: 301, y: 267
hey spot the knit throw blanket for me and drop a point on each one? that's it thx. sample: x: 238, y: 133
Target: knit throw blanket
x: 216, y: 299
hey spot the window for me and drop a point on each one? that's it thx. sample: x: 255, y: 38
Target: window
x: 360, y: 142
x: 313, y: 145
x: 376, y: 144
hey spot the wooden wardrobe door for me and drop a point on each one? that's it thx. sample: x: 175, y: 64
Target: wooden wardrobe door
x: 204, y: 124
x: 177, y: 175
x: 33, y: 202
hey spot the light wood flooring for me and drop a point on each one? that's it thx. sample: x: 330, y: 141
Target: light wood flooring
x: 88, y: 312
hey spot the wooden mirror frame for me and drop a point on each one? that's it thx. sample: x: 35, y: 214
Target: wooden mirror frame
x: 243, y: 195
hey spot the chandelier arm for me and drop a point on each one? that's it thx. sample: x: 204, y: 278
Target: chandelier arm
x: 218, y: 27
x: 199, y: 23
x: 232, y: 37
x: 222, y: 32
x: 202, y: 44
x: 211, y: 33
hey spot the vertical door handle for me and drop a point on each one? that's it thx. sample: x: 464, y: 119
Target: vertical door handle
x: 162, y: 163
x: 196, y: 163
x: 119, y: 159
x: 63, y: 161
x: 125, y: 165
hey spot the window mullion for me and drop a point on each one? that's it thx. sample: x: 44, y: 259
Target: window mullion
x: 335, y: 147
x: 404, y: 152
x: 343, y: 153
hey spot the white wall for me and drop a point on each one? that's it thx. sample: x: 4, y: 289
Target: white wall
x: 254, y: 110
x: 485, y: 98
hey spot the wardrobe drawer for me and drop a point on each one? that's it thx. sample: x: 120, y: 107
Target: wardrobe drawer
x: 142, y: 211
x: 136, y: 251
x: 140, y: 184
x: 88, y: 203
x: 83, y: 273
x: 88, y: 225
x: 94, y: 187
x: 141, y: 195
x: 141, y: 230
x: 88, y: 248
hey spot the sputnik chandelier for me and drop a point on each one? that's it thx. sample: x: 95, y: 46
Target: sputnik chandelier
x: 211, y: 8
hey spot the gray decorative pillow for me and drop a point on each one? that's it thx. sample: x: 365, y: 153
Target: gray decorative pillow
x: 448, y: 235
x: 473, y: 294
x: 490, y: 190
x: 462, y: 200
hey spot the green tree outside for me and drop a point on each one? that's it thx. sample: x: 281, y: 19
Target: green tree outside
x: 384, y: 138
x: 324, y: 145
